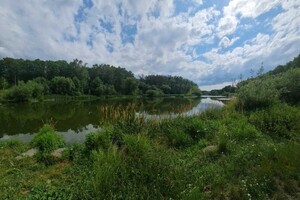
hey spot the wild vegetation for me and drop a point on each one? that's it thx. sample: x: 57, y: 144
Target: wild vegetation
x: 26, y: 79
x: 249, y: 149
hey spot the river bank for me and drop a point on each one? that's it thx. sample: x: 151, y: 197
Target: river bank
x: 219, y: 154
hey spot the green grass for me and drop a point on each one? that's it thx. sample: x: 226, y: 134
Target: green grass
x: 220, y: 154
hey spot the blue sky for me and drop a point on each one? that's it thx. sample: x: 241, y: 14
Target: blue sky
x: 211, y: 42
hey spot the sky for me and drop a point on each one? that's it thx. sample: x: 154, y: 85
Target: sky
x: 211, y: 42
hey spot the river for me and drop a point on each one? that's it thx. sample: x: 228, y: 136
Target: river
x: 75, y: 119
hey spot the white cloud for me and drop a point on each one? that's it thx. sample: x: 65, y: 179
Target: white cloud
x: 246, y: 8
x: 237, y: 9
x: 227, y: 25
x: 226, y: 42
x: 215, y: 86
x: 164, y: 43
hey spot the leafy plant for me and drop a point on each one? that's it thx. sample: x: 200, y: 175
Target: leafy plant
x: 47, y: 140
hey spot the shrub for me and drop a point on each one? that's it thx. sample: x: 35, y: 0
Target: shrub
x: 289, y: 85
x: 195, y: 128
x: 136, y: 145
x: 20, y: 93
x: 97, y: 141
x: 37, y: 90
x: 90, y: 142
x: 109, y: 172
x: 258, y: 93
x: 75, y: 152
x: 143, y: 172
x: 62, y: 85
x: 153, y: 93
x: 279, y: 121
x: 47, y: 139
x: 178, y: 138
x: 12, y: 143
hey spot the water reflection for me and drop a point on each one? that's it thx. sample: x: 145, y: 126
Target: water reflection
x: 206, y: 103
x: 75, y: 119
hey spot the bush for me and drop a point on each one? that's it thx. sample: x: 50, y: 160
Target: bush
x: 178, y: 138
x: 279, y: 121
x: 136, y: 146
x: 195, y: 128
x: 108, y: 169
x: 289, y: 85
x: 37, y: 90
x: 75, y: 152
x: 20, y: 93
x: 62, y: 85
x: 24, y: 92
x: 47, y: 140
x: 153, y: 93
x: 143, y: 172
x: 258, y: 93
x: 97, y: 141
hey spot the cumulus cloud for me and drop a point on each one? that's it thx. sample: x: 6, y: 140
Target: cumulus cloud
x: 226, y: 42
x: 151, y: 36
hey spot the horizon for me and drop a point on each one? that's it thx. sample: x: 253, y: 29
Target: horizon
x: 208, y: 42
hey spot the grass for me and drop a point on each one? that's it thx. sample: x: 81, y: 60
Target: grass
x: 220, y: 154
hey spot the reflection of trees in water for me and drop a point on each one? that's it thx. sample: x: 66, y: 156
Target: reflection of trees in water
x: 28, y: 118
x: 169, y: 105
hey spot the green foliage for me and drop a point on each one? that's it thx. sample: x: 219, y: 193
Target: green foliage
x: 37, y: 90
x: 44, y: 82
x: 24, y: 92
x: 3, y: 83
x: 48, y: 192
x: 20, y: 93
x: 12, y: 143
x: 76, y: 78
x: 97, y: 141
x: 280, y: 121
x: 90, y: 142
x: 131, y: 86
x: 107, y: 170
x: 170, y: 84
x: 289, y: 85
x: 78, y: 86
x: 47, y: 140
x: 75, y: 152
x: 219, y: 154
x: 282, y: 83
x: 142, y: 172
x: 62, y: 85
x: 153, y: 93
x: 226, y: 91
x: 258, y: 93
x: 107, y: 136
x: 136, y: 146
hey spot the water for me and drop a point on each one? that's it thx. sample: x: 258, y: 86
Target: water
x: 75, y: 119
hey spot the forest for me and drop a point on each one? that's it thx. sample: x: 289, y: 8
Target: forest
x: 32, y: 79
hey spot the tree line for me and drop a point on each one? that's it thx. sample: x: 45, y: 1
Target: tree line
x: 25, y: 79
x: 279, y: 85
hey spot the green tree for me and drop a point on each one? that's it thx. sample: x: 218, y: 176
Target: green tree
x: 37, y: 89
x: 3, y: 83
x: 131, y: 86
x: 18, y: 93
x: 289, y: 86
x: 97, y: 87
x: 78, y: 86
x: 62, y: 85
x: 43, y: 81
